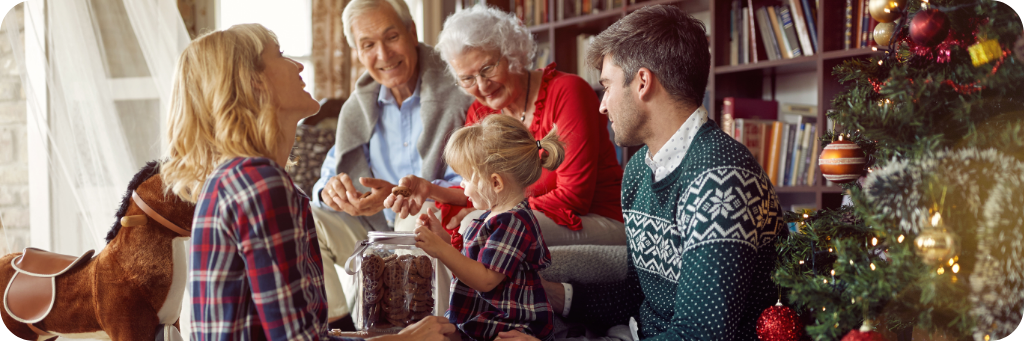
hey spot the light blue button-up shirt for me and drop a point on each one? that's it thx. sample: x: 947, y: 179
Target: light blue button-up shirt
x: 392, y: 150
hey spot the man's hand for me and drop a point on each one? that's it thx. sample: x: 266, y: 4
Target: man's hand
x: 515, y: 335
x: 341, y: 195
x: 556, y: 295
x: 405, y: 206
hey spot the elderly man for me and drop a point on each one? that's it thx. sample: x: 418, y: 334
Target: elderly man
x: 394, y: 124
x: 701, y: 216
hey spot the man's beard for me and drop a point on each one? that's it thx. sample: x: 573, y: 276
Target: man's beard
x: 630, y: 126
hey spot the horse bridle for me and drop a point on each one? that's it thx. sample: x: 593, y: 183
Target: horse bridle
x: 156, y: 216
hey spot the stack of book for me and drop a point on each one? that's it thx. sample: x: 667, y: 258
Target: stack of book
x: 784, y: 31
x: 858, y: 25
x: 784, y: 142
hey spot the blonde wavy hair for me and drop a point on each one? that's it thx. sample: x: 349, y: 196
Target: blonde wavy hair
x: 501, y: 144
x: 220, y: 107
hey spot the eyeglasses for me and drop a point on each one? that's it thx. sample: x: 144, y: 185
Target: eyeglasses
x: 486, y: 72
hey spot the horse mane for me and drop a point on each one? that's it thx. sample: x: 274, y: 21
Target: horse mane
x: 149, y: 170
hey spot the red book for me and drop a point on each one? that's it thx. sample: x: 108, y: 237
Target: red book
x: 750, y: 108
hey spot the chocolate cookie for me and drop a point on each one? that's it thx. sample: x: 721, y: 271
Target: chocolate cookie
x: 397, y: 299
x: 401, y: 190
x: 414, y: 277
x: 421, y: 306
x: 372, y: 284
x: 423, y: 294
x: 394, y: 277
x: 371, y: 296
x: 372, y: 267
x: 399, y: 317
x: 423, y: 267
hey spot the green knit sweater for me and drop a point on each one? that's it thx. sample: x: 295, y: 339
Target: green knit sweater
x: 701, y: 246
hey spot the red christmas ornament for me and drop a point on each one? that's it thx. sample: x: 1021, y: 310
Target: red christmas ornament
x: 779, y: 323
x: 865, y: 333
x: 842, y: 161
x: 929, y: 27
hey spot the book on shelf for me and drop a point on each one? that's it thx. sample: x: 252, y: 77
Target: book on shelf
x: 734, y: 34
x: 767, y: 35
x: 797, y: 118
x: 752, y: 55
x: 780, y: 37
x: 800, y: 23
x: 789, y: 31
x: 589, y: 74
x: 543, y: 56
x: 773, y: 149
x: 865, y: 21
x: 811, y: 17
x: 848, y: 25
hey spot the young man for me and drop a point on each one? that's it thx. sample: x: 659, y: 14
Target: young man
x: 701, y: 216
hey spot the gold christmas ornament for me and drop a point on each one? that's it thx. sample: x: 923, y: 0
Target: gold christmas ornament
x: 883, y: 33
x: 936, y: 244
x: 984, y: 51
x: 842, y: 161
x: 885, y: 11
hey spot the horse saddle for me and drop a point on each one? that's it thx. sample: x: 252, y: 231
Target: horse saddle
x: 30, y: 293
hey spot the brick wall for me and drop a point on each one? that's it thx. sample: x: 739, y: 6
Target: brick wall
x: 14, y: 212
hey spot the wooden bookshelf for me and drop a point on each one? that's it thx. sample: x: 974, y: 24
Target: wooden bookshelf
x: 744, y: 80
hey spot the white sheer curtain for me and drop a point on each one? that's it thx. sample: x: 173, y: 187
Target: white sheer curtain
x: 97, y: 78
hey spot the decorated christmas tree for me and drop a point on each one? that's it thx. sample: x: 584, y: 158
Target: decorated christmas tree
x: 929, y: 138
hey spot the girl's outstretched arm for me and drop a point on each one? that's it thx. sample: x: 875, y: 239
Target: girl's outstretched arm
x: 471, y: 272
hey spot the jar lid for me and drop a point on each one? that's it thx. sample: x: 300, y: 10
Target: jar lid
x: 392, y: 237
x: 355, y: 261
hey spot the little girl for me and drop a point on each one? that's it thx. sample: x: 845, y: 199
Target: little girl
x: 496, y: 285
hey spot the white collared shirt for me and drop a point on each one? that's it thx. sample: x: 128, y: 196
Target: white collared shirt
x: 665, y: 161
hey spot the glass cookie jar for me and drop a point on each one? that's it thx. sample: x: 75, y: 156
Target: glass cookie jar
x: 395, y: 282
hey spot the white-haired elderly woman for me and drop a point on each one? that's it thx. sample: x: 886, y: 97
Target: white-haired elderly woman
x: 489, y: 52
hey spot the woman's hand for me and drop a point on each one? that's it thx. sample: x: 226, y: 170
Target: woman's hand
x: 515, y: 335
x: 405, y: 206
x: 429, y: 235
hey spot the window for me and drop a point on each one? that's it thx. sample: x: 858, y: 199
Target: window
x: 291, y: 21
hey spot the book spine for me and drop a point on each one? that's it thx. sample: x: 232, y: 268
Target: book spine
x: 848, y: 26
x: 808, y: 145
x: 744, y: 42
x: 864, y: 29
x: 794, y: 131
x: 739, y: 129
x: 811, y: 178
x: 773, y: 151
x: 767, y: 37
x: 752, y: 52
x: 797, y: 152
x: 752, y: 139
x: 780, y: 39
x: 728, y: 121
x: 783, y: 149
x: 734, y: 39
x: 801, y: 27
x: 789, y: 31
x: 812, y: 23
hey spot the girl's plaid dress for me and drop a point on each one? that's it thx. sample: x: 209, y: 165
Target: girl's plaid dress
x: 509, y: 243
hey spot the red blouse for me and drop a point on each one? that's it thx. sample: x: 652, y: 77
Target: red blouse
x: 590, y: 178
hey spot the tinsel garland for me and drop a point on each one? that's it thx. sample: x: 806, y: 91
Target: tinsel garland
x: 997, y: 285
x: 985, y: 189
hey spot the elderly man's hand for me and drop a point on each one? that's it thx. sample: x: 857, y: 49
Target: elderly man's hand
x: 411, y: 205
x: 341, y: 195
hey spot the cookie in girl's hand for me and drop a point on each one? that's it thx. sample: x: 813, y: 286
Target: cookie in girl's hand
x: 401, y: 190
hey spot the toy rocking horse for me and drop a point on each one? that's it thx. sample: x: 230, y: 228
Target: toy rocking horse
x: 132, y: 290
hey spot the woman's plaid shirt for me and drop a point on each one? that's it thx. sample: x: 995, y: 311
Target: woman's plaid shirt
x: 256, y: 271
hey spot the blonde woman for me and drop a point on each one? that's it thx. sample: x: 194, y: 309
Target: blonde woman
x: 256, y: 268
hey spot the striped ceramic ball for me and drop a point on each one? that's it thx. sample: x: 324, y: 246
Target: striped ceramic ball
x: 842, y: 162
